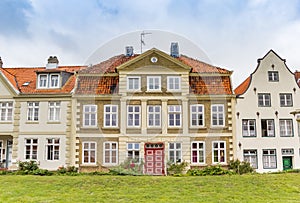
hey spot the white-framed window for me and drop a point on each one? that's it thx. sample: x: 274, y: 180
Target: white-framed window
x: 110, y: 153
x: 110, y: 115
x: 264, y: 99
x: 174, y: 83
x: 217, y: 115
x: 89, y: 115
x: 53, y: 149
x: 133, y: 152
x: 31, y: 148
x: 249, y: 129
x: 32, y: 111
x: 43, y: 81
x: 6, y: 109
x: 54, y: 81
x: 267, y: 128
x: 219, y: 152
x: 154, y: 116
x: 269, y: 158
x: 197, y: 115
x: 273, y: 76
x: 54, y: 111
x: 153, y: 83
x: 133, y: 83
x: 286, y: 100
x: 89, y: 155
x: 286, y: 127
x: 198, y: 152
x: 133, y: 115
x: 174, y: 114
x: 250, y: 156
x: 1, y: 147
x: 175, y: 152
x: 51, y: 80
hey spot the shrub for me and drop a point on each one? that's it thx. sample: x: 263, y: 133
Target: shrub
x: 27, y: 166
x: 128, y: 167
x: 69, y: 170
x: 210, y: 170
x: 239, y: 167
x: 176, y: 168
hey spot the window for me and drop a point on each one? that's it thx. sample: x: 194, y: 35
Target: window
x: 264, y: 99
x: 133, y: 152
x: 54, y: 111
x: 89, y: 115
x: 174, y: 113
x: 53, y: 149
x: 1, y: 147
x: 175, y: 152
x: 286, y: 100
x: 267, y: 128
x: 174, y: 83
x: 198, y: 153
x: 219, y: 152
x: 48, y: 80
x: 110, y: 152
x: 54, y: 80
x: 197, y: 115
x: 89, y: 152
x: 289, y: 151
x: 217, y: 115
x: 33, y: 111
x: 269, y: 159
x: 273, y: 76
x: 110, y: 115
x: 133, y: 116
x: 154, y: 116
x: 6, y: 109
x: 249, y: 129
x: 133, y: 83
x: 31, y: 147
x: 251, y: 157
x: 43, y: 81
x: 153, y: 83
x: 286, y: 127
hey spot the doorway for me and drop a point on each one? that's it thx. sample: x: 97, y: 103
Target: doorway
x: 8, y: 153
x: 287, y: 162
x: 154, y: 159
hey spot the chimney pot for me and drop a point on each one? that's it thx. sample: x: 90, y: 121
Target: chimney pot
x: 174, y: 50
x: 52, y: 62
x: 129, y: 51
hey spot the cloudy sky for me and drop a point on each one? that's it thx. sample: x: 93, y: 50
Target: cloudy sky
x: 233, y: 34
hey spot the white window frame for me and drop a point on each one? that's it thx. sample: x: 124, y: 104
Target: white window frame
x: 198, y: 151
x: 133, y: 111
x: 268, y: 159
x: 112, y: 116
x: 194, y: 115
x: 53, y: 149
x: 153, y: 89
x: 134, y: 149
x: 33, y: 111
x: 249, y: 127
x: 134, y: 88
x: 6, y: 111
x: 43, y: 83
x: 219, y: 150
x: 286, y: 99
x: 273, y: 76
x: 31, y: 145
x: 156, y: 116
x: 264, y: 99
x: 54, y: 110
x: 270, y: 130
x: 174, y: 111
x: 57, y: 81
x: 89, y: 115
x: 89, y: 152
x: 110, y: 151
x: 176, y: 149
x: 174, y: 83
x: 218, y: 115
x: 250, y: 155
x: 286, y: 128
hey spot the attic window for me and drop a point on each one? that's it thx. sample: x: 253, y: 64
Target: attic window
x: 273, y: 76
x: 49, y: 80
x: 26, y: 83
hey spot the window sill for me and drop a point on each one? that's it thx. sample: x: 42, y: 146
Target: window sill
x: 175, y: 127
x: 88, y: 164
x: 198, y: 164
x: 219, y: 163
x: 32, y: 122
x: 90, y: 127
x: 153, y: 91
x: 218, y: 127
x: 197, y: 127
x: 53, y: 122
x: 250, y: 136
x: 110, y: 128
x: 6, y: 122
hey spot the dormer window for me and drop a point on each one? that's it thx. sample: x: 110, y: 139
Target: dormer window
x: 43, y: 80
x: 54, y: 79
x: 50, y: 80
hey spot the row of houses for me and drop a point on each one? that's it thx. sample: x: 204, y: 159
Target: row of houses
x: 152, y: 108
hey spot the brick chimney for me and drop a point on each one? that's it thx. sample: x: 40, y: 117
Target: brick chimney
x: 52, y: 62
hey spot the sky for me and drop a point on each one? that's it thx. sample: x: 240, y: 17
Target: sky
x: 231, y: 34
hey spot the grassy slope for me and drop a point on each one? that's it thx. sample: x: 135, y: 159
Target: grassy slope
x: 246, y: 188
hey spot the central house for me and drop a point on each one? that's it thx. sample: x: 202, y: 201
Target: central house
x: 153, y: 108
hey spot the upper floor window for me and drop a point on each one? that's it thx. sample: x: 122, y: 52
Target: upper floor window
x: 264, y: 99
x: 33, y: 111
x: 43, y: 80
x: 6, y: 109
x: 267, y: 128
x: 133, y: 116
x: 54, y: 111
x: 174, y: 83
x: 286, y: 127
x: 90, y: 115
x: 110, y: 115
x: 53, y: 149
x: 273, y: 76
x: 286, y: 100
x: 153, y: 83
x: 174, y: 112
x: 197, y: 115
x: 249, y: 129
x: 154, y: 116
x: 133, y: 83
x: 54, y: 80
x: 49, y: 80
x: 217, y: 115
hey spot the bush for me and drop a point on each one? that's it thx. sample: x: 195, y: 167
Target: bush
x: 128, y: 167
x: 27, y: 166
x: 70, y: 170
x: 210, y: 170
x: 239, y: 167
x: 176, y: 168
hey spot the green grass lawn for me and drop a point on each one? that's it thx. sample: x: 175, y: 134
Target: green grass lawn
x: 85, y: 188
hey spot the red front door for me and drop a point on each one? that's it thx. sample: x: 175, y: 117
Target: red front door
x: 154, y: 159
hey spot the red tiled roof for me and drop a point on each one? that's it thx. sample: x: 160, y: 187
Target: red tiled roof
x: 241, y: 89
x: 18, y: 76
x: 210, y: 85
x: 97, y: 85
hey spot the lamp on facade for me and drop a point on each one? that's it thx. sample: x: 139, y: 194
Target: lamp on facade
x: 294, y: 89
x: 240, y: 145
x: 257, y: 113
x: 276, y: 113
x: 238, y: 114
x: 254, y: 89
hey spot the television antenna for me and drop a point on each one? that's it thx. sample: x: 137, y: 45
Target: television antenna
x: 142, y: 39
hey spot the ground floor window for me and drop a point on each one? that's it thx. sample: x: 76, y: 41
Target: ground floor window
x: 53, y: 149
x: 251, y: 157
x: 1, y: 146
x: 110, y: 152
x: 89, y: 152
x: 198, y: 152
x: 133, y: 152
x: 175, y: 152
x: 31, y: 147
x: 219, y: 152
x: 269, y: 158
